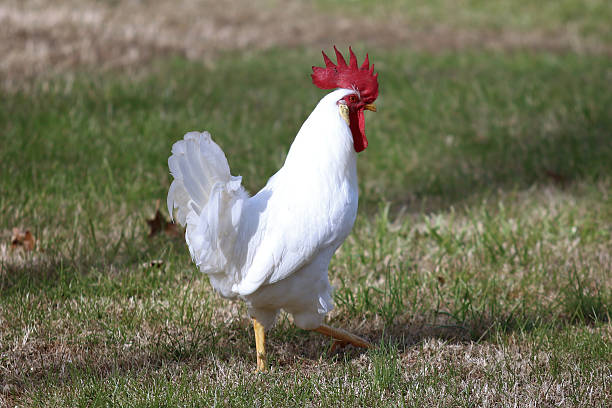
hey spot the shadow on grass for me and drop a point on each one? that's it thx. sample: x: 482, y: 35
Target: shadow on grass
x: 34, y: 274
x: 475, y: 168
x: 53, y: 272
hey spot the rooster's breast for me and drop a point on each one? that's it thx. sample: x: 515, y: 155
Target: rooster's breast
x: 314, y: 222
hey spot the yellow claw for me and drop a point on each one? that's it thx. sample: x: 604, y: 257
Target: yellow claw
x: 343, y: 337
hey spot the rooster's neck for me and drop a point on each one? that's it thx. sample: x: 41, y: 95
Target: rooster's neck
x: 324, y: 142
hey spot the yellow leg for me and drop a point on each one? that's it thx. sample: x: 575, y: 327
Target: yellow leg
x: 342, y: 337
x: 260, y: 345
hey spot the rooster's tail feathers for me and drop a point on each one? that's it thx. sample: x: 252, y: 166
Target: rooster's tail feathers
x: 209, y: 200
x: 196, y: 164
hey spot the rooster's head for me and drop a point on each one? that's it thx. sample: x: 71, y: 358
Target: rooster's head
x: 361, y: 80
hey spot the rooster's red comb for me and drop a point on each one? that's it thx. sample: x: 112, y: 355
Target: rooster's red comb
x: 348, y: 76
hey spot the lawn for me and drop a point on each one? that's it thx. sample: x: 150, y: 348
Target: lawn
x: 479, y: 265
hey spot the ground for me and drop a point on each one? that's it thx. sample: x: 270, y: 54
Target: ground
x: 480, y: 262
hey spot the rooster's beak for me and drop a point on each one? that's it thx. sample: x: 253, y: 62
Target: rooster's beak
x: 370, y: 107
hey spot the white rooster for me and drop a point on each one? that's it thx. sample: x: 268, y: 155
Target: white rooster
x: 273, y: 249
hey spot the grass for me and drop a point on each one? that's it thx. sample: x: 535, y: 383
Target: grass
x: 479, y: 264
x: 583, y: 19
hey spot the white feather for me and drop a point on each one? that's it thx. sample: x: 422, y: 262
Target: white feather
x: 272, y: 249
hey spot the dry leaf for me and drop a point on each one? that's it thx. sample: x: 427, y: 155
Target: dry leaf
x: 159, y: 224
x: 155, y: 223
x: 172, y: 230
x: 22, y: 239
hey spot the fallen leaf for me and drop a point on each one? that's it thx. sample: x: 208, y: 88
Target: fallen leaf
x: 159, y: 224
x: 155, y: 224
x: 22, y: 239
x: 172, y: 230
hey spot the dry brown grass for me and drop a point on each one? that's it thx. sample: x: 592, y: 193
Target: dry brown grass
x: 39, y: 37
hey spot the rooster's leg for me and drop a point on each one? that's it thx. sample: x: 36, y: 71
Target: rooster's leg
x: 260, y: 345
x: 342, y: 337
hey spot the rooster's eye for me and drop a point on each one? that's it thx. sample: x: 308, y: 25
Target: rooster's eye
x: 352, y: 99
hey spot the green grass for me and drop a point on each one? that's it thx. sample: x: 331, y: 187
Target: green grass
x: 589, y: 19
x: 479, y: 264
